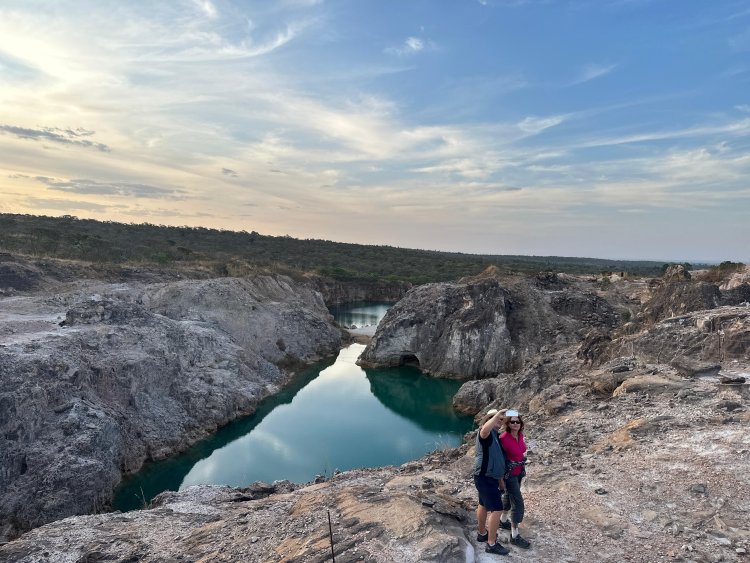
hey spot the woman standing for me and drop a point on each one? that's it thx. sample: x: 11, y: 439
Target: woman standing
x: 514, y: 448
x: 489, y: 468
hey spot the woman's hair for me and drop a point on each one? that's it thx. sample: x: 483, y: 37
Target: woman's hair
x: 507, y: 423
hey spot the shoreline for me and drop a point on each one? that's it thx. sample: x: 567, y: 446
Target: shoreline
x: 362, y: 335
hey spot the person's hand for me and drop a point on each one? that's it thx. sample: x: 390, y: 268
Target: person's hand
x: 501, y: 484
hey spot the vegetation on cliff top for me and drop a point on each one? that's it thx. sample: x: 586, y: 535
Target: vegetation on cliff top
x: 234, y: 253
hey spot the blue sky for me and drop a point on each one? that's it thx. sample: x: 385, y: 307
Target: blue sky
x: 603, y: 128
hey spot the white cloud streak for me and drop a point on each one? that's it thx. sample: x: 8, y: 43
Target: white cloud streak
x: 592, y: 71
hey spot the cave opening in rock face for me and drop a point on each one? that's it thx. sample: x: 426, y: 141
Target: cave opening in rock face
x: 409, y: 360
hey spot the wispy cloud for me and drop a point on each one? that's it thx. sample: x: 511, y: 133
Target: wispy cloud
x: 410, y: 46
x: 592, y: 71
x: 535, y: 125
x: 76, y: 137
x: 67, y: 205
x: 92, y: 187
x: 732, y: 128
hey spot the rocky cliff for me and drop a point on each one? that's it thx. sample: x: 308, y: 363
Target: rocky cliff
x: 101, y: 377
x: 655, y: 468
x: 485, y: 326
x: 670, y: 298
x: 634, y: 454
x: 336, y: 292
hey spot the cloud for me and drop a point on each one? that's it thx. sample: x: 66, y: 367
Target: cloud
x: 207, y: 7
x: 191, y: 96
x: 75, y: 137
x: 13, y: 68
x: 66, y: 205
x: 591, y: 72
x: 410, y: 46
x: 535, y: 125
x: 738, y: 128
x: 92, y: 187
x: 414, y: 44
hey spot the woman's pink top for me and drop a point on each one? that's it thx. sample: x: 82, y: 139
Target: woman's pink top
x: 514, y: 449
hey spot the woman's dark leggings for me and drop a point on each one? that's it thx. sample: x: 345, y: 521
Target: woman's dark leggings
x: 512, y: 498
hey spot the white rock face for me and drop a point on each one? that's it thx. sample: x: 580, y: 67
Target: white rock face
x: 737, y: 279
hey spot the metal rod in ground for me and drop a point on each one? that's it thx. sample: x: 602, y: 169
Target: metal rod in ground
x: 330, y: 535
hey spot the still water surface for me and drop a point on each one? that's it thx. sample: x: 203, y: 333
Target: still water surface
x: 334, y: 416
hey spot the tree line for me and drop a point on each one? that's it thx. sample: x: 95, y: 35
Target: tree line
x: 235, y: 252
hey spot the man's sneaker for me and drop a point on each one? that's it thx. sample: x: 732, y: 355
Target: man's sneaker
x: 520, y: 542
x: 497, y: 549
x: 505, y: 525
x: 483, y: 537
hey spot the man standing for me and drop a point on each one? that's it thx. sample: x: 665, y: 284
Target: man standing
x: 489, y: 469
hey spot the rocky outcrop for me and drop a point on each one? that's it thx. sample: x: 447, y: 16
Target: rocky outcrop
x: 710, y: 336
x: 95, y: 381
x: 474, y: 395
x: 449, y: 329
x: 676, y: 272
x: 653, y: 457
x: 671, y: 297
x: 336, y: 292
x: 481, y: 327
x: 15, y: 276
x: 657, y: 467
x: 737, y: 279
x: 678, y: 298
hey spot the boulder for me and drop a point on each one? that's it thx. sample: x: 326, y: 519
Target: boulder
x: 651, y: 384
x: 449, y: 330
x: 474, y: 395
x: 480, y: 327
x: 688, y: 367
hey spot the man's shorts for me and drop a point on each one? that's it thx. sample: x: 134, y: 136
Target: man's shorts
x: 489, y: 493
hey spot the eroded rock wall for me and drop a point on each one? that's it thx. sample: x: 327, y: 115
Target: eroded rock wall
x: 481, y: 327
x: 98, y: 380
x: 336, y: 292
x: 452, y: 330
x: 719, y: 335
x: 675, y: 298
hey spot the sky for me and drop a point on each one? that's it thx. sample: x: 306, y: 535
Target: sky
x: 598, y: 128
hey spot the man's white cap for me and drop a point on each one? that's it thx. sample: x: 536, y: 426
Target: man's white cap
x: 492, y: 412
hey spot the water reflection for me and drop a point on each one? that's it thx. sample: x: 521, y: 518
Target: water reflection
x: 343, y: 418
x: 424, y: 401
x: 360, y: 314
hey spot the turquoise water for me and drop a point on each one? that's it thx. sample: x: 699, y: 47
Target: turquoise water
x: 334, y: 416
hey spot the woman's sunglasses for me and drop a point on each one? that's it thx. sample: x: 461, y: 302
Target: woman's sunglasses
x: 515, y: 422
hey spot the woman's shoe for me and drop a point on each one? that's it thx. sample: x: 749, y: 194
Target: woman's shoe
x: 520, y: 542
x: 497, y: 549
